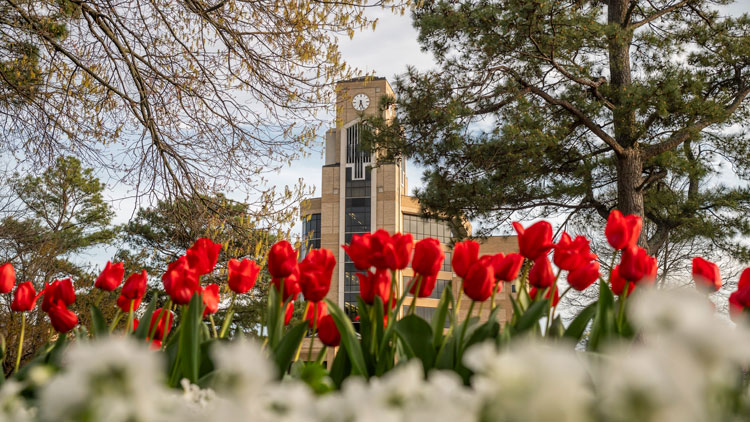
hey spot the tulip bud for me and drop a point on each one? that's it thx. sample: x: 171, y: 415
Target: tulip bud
x: 507, y: 267
x: 316, y: 271
x: 480, y: 280
x: 541, y: 274
x: 584, y: 276
x: 282, y: 259
x: 242, y: 275
x: 534, y: 241
x: 110, y: 277
x: 202, y: 256
x: 328, y: 333
x: 428, y: 257
x: 359, y: 250
x: 210, y: 296
x: 63, y: 319
x: 465, y: 254
x: 375, y: 284
x: 7, y: 278
x: 706, y: 274
x: 24, y: 298
x: 622, y: 232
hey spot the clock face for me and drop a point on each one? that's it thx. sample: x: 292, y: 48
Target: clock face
x: 361, y: 102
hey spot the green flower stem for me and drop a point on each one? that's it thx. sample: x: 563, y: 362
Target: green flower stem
x: 479, y: 312
x: 413, y: 306
x: 463, y: 332
x: 118, y: 315
x: 321, y: 355
x: 458, y: 299
x: 494, y: 292
x: 621, y: 313
x: 131, y: 314
x: 524, y: 278
x: 213, y: 326
x: 315, y: 326
x: 228, y: 318
x: 20, y: 341
x: 299, y: 347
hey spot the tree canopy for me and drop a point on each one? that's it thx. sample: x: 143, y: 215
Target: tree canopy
x: 579, y: 107
x: 170, y: 97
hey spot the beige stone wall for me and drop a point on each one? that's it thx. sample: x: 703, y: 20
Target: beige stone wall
x: 374, y: 89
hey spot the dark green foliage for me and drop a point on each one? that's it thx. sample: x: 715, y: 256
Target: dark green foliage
x: 534, y: 111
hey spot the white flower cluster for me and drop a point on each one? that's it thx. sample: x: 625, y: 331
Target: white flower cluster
x: 679, y: 368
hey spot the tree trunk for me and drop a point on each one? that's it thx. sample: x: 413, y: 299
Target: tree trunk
x: 629, y: 180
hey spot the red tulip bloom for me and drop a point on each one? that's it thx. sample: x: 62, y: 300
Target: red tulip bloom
x: 110, y: 277
x: 328, y: 333
x: 541, y: 274
x: 316, y: 271
x: 706, y: 274
x: 7, y: 278
x: 359, y: 250
x: 637, y: 266
x: 210, y: 296
x: 123, y: 303
x: 617, y: 283
x: 744, y: 282
x: 381, y: 245
x: 164, y: 318
x: 426, y: 285
x: 375, y: 284
x: 135, y: 285
x: 398, y: 253
x: 202, y: 256
x: 465, y: 254
x: 582, y: 277
x: 572, y: 254
x: 622, y: 232
x: 62, y: 318
x: 242, y: 275
x: 58, y: 291
x: 534, y: 291
x: 291, y: 284
x: 507, y: 267
x: 316, y: 310
x: 24, y: 298
x: 428, y: 257
x: 181, y: 281
x: 534, y: 241
x: 480, y: 279
x: 282, y: 259
x: 288, y: 312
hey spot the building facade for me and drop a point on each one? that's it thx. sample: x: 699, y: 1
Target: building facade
x: 359, y: 195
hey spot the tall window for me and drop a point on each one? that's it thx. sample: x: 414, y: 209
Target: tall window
x: 356, y: 221
x: 422, y: 228
x: 356, y: 158
x: 310, y: 233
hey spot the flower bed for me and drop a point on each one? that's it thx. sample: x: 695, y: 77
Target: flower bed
x: 658, y: 355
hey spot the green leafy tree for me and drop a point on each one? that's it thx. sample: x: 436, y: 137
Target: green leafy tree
x: 578, y: 107
x: 159, y: 235
x: 52, y: 220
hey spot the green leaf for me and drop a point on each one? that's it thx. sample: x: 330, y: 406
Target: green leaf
x: 532, y: 315
x: 604, y: 320
x: 98, y: 325
x: 340, y: 368
x: 349, y: 339
x: 576, y: 328
x: 142, y: 331
x: 416, y: 335
x: 189, y: 348
x: 316, y: 377
x: 556, y: 329
x: 275, y: 319
x: 438, y: 318
x: 284, y: 352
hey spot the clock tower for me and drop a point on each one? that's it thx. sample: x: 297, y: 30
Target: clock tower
x: 360, y: 195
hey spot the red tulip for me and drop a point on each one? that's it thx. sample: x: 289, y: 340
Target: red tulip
x: 328, y: 333
x: 428, y: 257
x: 534, y: 241
x: 744, y: 282
x: 24, y: 298
x: 282, y: 259
x: 181, y: 281
x: 618, y: 283
x: 739, y: 300
x: 359, y: 250
x: 110, y: 277
x: 480, y: 279
x: 706, y: 274
x: 124, y: 302
x: 584, y: 276
x: 210, y: 297
x: 63, y: 319
x: 58, y: 291
x: 637, y: 266
x: 622, y: 232
x: 381, y: 245
x: 465, y: 254
x: 316, y: 271
x: 403, y: 244
x: 507, y: 267
x: 572, y: 254
x: 135, y: 324
x: 288, y: 312
x: 242, y: 275
x: 541, y: 274
x: 164, y: 318
x: 375, y: 284
x: 291, y: 284
x: 7, y: 278
x: 426, y: 285
x: 135, y: 285
x: 317, y: 310
x: 534, y: 291
x: 202, y: 256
